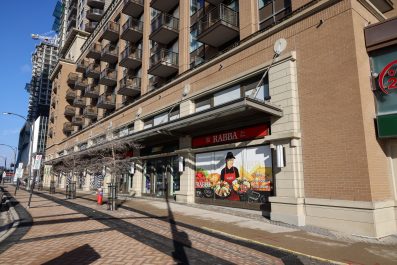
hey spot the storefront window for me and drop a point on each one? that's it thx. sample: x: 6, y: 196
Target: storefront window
x: 238, y: 175
x: 161, y: 177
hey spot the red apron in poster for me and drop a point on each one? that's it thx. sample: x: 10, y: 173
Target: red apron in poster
x: 229, y: 177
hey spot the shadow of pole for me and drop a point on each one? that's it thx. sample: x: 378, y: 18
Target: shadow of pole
x: 81, y: 255
x: 180, y: 239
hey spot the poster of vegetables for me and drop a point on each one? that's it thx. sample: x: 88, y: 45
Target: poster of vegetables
x: 243, y: 174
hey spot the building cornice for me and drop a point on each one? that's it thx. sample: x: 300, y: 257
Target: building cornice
x: 58, y: 67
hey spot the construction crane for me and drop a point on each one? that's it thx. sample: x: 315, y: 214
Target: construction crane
x: 46, y: 39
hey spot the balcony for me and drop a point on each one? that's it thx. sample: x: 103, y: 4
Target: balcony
x: 70, y: 94
x: 108, y: 77
x: 110, y: 31
x: 78, y: 120
x: 52, y: 115
x: 164, y: 6
x: 79, y: 102
x: 93, y: 70
x: 71, y: 22
x: 94, y: 51
x: 81, y: 83
x: 90, y: 112
x: 53, y: 100
x: 164, y: 63
x: 133, y: 8
x: 91, y: 91
x: 82, y: 65
x: 132, y: 30
x: 131, y: 58
x: 110, y: 53
x: 106, y: 101
x: 129, y: 86
x: 90, y: 26
x: 165, y: 28
x: 50, y: 132
x: 96, y: 3
x: 70, y: 111
x: 94, y: 14
x: 155, y: 82
x: 219, y: 26
x: 72, y: 77
x: 68, y: 127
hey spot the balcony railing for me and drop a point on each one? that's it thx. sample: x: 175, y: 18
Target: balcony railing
x: 90, y: 112
x: 79, y: 102
x: 110, y: 53
x: 78, y: 120
x: 96, y: 3
x: 106, y: 101
x: 94, y: 14
x: 133, y: 8
x: 164, y: 63
x: 108, y: 77
x: 90, y: 26
x: 70, y: 94
x: 81, y: 83
x: 93, y: 70
x: 130, y: 86
x: 70, y: 110
x: 68, y: 127
x: 110, y: 31
x: 94, y: 51
x: 72, y: 77
x: 165, y: 28
x: 155, y: 82
x: 219, y: 26
x: 91, y: 91
x: 82, y: 65
x: 131, y: 57
x: 132, y: 30
x: 164, y: 5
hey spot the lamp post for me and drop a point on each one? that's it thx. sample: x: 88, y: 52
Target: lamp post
x: 14, y: 149
x: 30, y: 149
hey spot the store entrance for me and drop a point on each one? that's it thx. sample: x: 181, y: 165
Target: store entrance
x: 161, y: 177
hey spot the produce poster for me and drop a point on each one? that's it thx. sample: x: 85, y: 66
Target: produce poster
x: 246, y: 177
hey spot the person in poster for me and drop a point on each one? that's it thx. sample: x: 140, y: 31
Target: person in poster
x: 230, y: 173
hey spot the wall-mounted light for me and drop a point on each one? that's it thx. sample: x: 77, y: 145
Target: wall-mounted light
x: 132, y: 168
x: 280, y: 156
x: 181, y: 164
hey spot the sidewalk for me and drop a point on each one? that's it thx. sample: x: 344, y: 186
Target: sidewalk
x: 80, y: 232
x: 157, y: 232
x: 250, y: 226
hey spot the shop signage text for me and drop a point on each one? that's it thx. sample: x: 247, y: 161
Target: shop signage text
x: 388, y: 77
x: 231, y: 136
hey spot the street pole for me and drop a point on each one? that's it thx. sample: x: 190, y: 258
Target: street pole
x: 30, y: 149
x: 14, y: 149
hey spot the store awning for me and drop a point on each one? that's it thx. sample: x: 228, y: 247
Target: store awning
x: 234, y: 112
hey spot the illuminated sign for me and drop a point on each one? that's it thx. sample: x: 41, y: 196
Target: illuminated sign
x: 388, y: 77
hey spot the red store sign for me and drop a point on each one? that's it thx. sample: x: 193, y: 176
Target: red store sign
x: 231, y: 136
x: 388, y: 77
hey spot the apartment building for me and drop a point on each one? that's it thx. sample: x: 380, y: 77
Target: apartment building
x: 193, y: 100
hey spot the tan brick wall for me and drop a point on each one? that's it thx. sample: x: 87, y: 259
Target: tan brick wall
x: 392, y: 13
x: 299, y: 3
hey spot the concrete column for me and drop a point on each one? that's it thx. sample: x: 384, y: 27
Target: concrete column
x: 186, y: 192
x: 138, y: 125
x: 138, y: 176
x: 288, y: 203
x: 186, y: 108
x: 184, y: 36
x: 248, y: 17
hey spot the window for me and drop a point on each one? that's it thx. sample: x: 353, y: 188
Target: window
x: 148, y: 124
x: 273, y: 11
x: 227, y: 95
x: 196, y: 5
x: 203, y: 104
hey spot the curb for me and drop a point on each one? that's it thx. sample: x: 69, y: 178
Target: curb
x: 11, y: 226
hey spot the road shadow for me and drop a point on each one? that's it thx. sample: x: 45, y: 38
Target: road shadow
x: 180, y: 239
x: 82, y: 255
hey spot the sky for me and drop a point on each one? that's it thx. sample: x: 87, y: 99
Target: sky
x: 18, y: 20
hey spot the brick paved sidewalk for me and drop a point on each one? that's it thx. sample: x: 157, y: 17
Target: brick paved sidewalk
x: 58, y: 231
x: 342, y: 249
